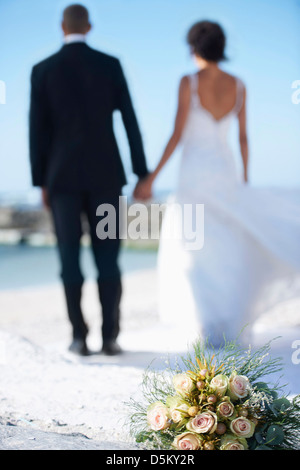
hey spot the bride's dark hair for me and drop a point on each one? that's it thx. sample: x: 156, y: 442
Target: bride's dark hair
x: 207, y: 40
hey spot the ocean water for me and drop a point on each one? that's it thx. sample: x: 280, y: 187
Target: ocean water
x: 24, y: 266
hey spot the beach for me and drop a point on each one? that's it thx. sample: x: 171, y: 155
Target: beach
x: 51, y: 399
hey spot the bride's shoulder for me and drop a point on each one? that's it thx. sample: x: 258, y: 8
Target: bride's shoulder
x: 188, y: 82
x: 234, y: 79
x: 230, y: 77
x: 185, y: 84
x: 185, y: 80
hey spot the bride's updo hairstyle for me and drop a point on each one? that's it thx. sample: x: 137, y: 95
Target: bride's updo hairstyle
x: 207, y: 40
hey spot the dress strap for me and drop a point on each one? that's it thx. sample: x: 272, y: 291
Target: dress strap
x: 194, y: 89
x: 239, y: 95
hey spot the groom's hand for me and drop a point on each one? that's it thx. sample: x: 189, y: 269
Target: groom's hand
x: 45, y: 198
x: 143, y: 189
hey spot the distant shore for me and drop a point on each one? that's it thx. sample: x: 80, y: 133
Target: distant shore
x: 32, y: 224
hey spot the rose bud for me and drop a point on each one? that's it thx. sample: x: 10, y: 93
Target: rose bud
x: 221, y: 429
x: 193, y: 410
x: 208, y: 446
x: 200, y: 385
x: 211, y: 399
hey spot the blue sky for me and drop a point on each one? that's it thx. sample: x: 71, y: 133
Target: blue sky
x: 149, y: 38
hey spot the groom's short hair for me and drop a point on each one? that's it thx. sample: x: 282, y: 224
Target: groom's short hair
x: 76, y: 18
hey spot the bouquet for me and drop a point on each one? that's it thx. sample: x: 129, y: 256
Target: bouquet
x: 216, y: 400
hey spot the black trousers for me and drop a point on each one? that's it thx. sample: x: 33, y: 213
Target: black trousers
x: 67, y: 210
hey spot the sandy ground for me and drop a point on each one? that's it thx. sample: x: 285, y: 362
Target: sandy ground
x: 51, y: 399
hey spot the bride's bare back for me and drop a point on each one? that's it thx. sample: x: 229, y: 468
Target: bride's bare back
x: 217, y: 92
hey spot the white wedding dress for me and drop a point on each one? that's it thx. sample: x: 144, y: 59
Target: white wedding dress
x: 250, y: 260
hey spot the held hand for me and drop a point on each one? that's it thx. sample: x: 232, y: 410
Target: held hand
x: 45, y: 198
x: 143, y: 189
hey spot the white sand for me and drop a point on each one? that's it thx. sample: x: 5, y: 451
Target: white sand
x: 45, y: 388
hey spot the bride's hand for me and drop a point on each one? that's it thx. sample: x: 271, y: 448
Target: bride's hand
x: 143, y: 189
x: 45, y: 198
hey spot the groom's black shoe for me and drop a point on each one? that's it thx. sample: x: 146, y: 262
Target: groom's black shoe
x: 111, y: 348
x: 79, y: 347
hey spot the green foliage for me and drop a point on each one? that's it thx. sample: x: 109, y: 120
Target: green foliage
x: 275, y: 435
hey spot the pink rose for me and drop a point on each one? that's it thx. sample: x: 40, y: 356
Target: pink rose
x: 242, y: 427
x: 226, y: 409
x: 158, y: 416
x: 238, y: 386
x: 187, y: 441
x: 203, y: 423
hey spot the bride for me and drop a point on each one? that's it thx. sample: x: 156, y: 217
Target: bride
x: 250, y: 259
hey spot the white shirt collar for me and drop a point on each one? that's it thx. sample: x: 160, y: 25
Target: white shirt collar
x: 69, y: 38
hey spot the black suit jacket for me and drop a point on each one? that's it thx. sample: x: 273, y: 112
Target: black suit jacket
x: 74, y: 94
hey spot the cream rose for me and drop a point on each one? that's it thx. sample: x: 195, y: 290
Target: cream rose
x: 158, y: 417
x: 219, y: 384
x: 230, y: 442
x: 225, y: 409
x: 203, y: 423
x: 238, y: 386
x: 242, y: 427
x: 179, y: 413
x: 187, y: 441
x: 183, y: 384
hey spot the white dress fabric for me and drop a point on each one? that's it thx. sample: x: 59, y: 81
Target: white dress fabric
x: 250, y: 259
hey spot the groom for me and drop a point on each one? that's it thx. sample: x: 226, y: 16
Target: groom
x: 75, y: 160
